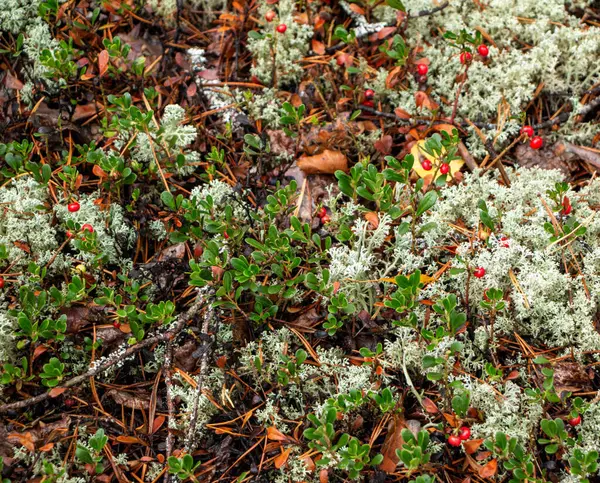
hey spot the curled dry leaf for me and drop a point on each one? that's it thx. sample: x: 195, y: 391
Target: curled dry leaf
x: 393, y: 441
x: 489, y: 469
x: 472, y: 445
x: 423, y: 100
x: 282, y: 458
x: 327, y: 162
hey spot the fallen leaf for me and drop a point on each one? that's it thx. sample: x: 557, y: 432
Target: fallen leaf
x: 282, y: 458
x: 393, y: 441
x: 472, y: 445
x: 423, y: 100
x: 11, y: 82
x: 157, y: 423
x: 401, y: 113
x: 327, y: 162
x: 384, y: 145
x: 275, y: 435
x: 489, y: 469
x: 103, y: 62
x: 26, y: 439
x: 430, y: 406
x: 356, y: 9
x: 318, y: 47
x: 39, y: 350
x: 46, y: 447
x: 57, y: 391
x: 130, y: 440
x: 373, y: 219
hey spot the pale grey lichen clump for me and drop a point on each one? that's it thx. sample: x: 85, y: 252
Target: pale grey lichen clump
x: 282, y: 51
x: 560, y: 54
x: 26, y: 223
x: 21, y: 16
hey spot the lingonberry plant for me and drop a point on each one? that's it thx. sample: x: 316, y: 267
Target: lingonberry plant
x: 298, y: 241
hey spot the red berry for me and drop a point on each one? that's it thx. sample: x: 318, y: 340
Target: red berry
x: 465, y: 57
x: 281, y: 28
x: 444, y: 168
x: 454, y: 440
x: 69, y: 234
x: 422, y: 69
x: 504, y: 242
x: 73, y: 207
x: 368, y: 104
x: 528, y: 131
x: 479, y: 272
x: 1, y: 282
x: 270, y: 15
x: 322, y: 212
x: 369, y: 94
x: 575, y: 421
x: 117, y: 324
x: 536, y: 142
x: 426, y: 165
x: 325, y: 219
x: 464, y: 433
x: 483, y: 50
x: 226, y: 235
x: 88, y: 227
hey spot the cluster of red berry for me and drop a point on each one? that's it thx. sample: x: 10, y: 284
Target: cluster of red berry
x: 270, y: 16
x: 322, y: 214
x: 427, y: 166
x: 464, y: 433
x: 369, y: 95
x: 467, y: 57
x: 536, y: 142
x: 74, y: 207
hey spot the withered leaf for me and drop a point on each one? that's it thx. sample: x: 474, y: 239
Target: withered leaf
x: 393, y: 441
x: 327, y: 162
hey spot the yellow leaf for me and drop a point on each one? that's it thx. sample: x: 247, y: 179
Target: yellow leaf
x: 425, y: 279
x: 419, y: 154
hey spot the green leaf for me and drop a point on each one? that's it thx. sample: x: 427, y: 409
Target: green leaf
x: 426, y: 203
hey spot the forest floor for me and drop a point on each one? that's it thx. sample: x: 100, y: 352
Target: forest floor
x: 299, y: 241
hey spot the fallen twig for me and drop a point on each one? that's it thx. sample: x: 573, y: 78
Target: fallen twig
x: 114, y: 357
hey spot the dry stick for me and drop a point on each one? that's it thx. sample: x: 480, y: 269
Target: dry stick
x: 208, y: 316
x: 170, y: 405
x: 113, y: 358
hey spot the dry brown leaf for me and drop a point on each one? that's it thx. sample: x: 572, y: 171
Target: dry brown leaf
x: 11, y: 82
x: 423, y: 100
x: 275, y: 435
x: 357, y: 9
x: 282, y: 458
x: 489, y: 469
x: 384, y: 145
x: 393, y: 441
x: 57, y: 391
x: 430, y: 406
x: 103, y: 62
x: 27, y: 440
x: 373, y: 219
x: 401, y: 113
x: 318, y: 47
x: 472, y: 445
x: 327, y: 162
